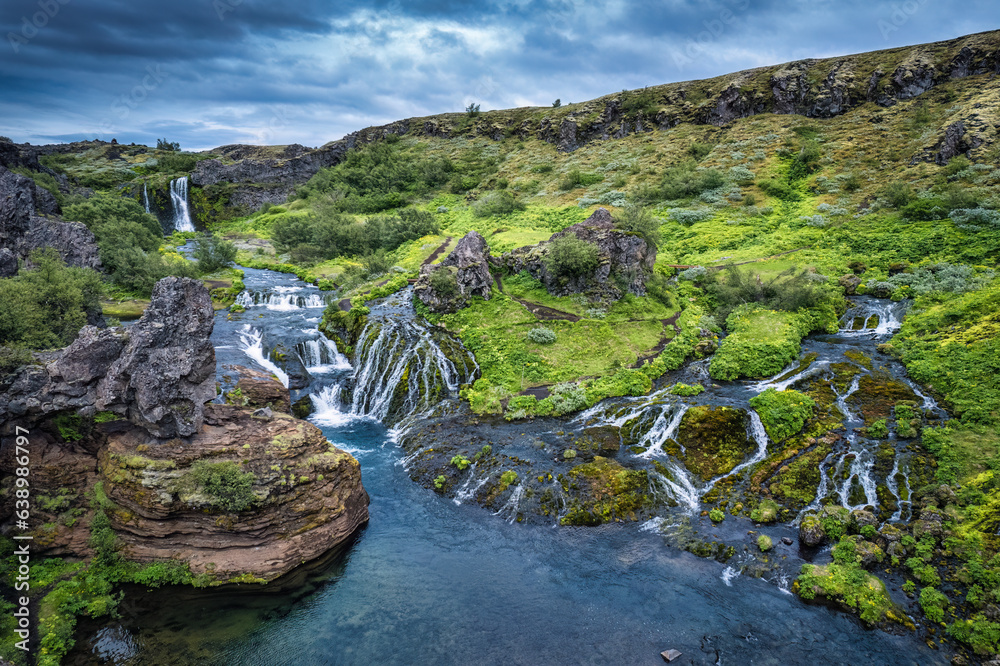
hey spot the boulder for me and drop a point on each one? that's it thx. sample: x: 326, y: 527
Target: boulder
x: 624, y: 258
x: 166, y: 373
x: 8, y: 263
x: 305, y: 498
x: 260, y: 389
x: 468, y: 265
x: 811, y: 531
x: 956, y: 141
x: 75, y: 243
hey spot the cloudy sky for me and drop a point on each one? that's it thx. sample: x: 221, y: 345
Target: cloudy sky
x: 210, y: 72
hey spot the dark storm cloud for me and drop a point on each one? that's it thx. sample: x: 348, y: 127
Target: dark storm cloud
x: 209, y: 72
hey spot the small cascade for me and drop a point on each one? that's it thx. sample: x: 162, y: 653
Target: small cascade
x: 321, y: 355
x: 145, y: 197
x: 842, y: 399
x: 252, y: 344
x: 279, y: 301
x: 903, y: 494
x: 783, y: 381
x: 756, y: 432
x: 929, y: 404
x: 512, y: 506
x: 179, y: 200
x: 401, y: 368
x: 680, y: 488
x: 821, y: 490
x: 664, y: 429
x: 471, y: 486
x: 873, y: 318
x: 859, y: 472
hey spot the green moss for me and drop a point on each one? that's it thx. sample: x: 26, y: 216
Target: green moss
x: 715, y: 439
x: 783, y: 413
x: 764, y: 543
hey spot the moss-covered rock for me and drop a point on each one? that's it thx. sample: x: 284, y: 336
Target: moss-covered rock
x: 715, y: 440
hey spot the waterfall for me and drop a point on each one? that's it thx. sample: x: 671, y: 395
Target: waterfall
x: 513, y: 504
x: 873, y: 318
x: 402, y: 369
x: 252, y: 344
x: 179, y: 200
x: 680, y: 487
x: 321, y: 355
x: 663, y: 430
x: 145, y: 196
x: 842, y: 400
x: 280, y: 302
x: 779, y: 384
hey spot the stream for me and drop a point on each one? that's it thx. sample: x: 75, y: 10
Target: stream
x: 433, y: 579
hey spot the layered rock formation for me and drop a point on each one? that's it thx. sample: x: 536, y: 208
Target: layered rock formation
x: 625, y: 260
x: 467, y: 266
x: 231, y: 493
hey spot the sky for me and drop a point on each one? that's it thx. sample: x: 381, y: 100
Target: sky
x: 205, y: 73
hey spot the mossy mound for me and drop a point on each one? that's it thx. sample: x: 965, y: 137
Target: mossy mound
x: 609, y: 492
x: 715, y: 440
x: 877, y: 394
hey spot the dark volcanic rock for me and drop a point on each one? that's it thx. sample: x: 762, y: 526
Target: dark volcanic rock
x: 622, y: 255
x: 75, y: 243
x: 469, y: 265
x: 21, y: 231
x: 956, y: 142
x: 8, y: 263
x: 167, y: 372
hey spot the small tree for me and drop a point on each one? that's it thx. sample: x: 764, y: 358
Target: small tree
x: 163, y: 144
x: 472, y: 110
x: 213, y: 252
x: 640, y: 220
x: 570, y: 256
x: 556, y: 104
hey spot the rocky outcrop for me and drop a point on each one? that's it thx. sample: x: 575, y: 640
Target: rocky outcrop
x: 22, y: 231
x: 956, y: 142
x: 625, y: 260
x: 467, y: 266
x: 8, y: 263
x: 167, y: 371
x: 303, y: 497
x: 233, y: 494
x: 260, y: 390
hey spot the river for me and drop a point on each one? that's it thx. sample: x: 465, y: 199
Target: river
x: 432, y: 581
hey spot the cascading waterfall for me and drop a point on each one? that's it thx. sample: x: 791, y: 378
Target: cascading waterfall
x: 145, y: 197
x: 873, y: 318
x: 511, y: 508
x: 403, y: 364
x: 842, y: 399
x: 179, y: 200
x: 783, y: 381
x: 320, y: 355
x: 278, y: 301
x: 252, y: 344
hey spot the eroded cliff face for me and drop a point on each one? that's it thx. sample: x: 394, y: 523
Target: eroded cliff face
x: 237, y: 492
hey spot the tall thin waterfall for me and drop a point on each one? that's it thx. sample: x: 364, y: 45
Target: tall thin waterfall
x: 145, y: 196
x: 179, y: 200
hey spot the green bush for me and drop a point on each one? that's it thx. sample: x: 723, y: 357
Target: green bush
x: 229, y: 486
x: 640, y: 220
x: 496, y: 204
x: 685, y: 180
x: 717, y: 515
x: 329, y: 234
x: 789, y: 290
x: 542, y: 336
x: 897, y: 194
x: 783, y: 413
x: 461, y: 462
x: 212, y: 252
x: 933, y: 604
x: 46, y: 307
x: 576, y: 178
x: 569, y: 256
x: 444, y: 282
x: 778, y: 188
x: 764, y: 543
x: 686, y: 390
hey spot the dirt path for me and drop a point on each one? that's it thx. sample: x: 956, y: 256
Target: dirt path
x: 437, y: 253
